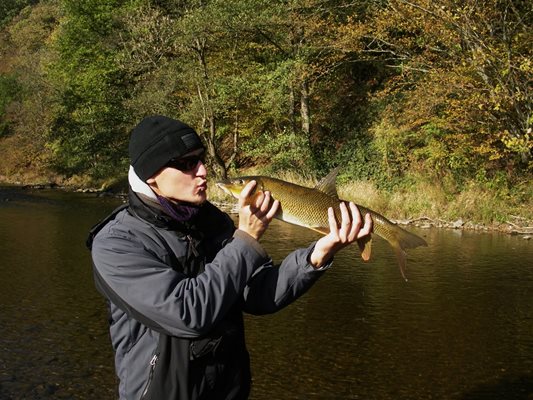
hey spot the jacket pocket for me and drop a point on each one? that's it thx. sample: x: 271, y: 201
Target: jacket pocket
x: 202, y: 347
x: 153, y: 363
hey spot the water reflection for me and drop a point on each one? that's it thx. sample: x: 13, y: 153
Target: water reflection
x: 53, y: 339
x: 460, y: 328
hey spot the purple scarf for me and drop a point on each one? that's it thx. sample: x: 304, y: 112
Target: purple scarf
x: 180, y: 212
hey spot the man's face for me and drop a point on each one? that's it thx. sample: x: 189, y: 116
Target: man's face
x: 189, y: 185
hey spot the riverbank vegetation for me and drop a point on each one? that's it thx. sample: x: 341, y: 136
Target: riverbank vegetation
x: 426, y: 105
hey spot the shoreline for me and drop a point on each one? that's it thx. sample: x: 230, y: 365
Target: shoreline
x: 520, y: 225
x: 502, y: 227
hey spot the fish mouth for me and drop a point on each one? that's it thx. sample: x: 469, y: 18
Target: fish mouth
x: 222, y: 185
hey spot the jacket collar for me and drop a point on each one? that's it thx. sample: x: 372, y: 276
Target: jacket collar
x: 139, y: 186
x: 151, y: 211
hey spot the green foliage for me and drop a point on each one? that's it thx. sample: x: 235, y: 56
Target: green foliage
x: 86, y: 135
x: 274, y: 153
x: 359, y: 161
x: 464, y: 69
x: 10, y: 8
x: 8, y: 92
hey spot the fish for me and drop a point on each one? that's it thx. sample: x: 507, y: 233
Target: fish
x: 307, y: 207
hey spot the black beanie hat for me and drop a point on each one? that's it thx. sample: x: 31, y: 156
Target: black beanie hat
x: 156, y: 140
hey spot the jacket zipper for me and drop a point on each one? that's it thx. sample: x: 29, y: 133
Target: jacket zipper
x: 191, y: 247
x: 153, y: 361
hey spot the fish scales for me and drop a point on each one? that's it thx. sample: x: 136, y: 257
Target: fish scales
x: 300, y: 205
x: 306, y: 205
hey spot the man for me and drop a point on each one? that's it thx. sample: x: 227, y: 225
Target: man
x: 178, y: 275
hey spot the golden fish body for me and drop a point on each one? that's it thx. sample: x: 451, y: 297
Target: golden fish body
x: 307, y: 207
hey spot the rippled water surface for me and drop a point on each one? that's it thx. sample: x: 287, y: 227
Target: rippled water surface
x: 460, y: 328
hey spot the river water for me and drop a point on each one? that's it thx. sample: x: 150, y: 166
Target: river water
x: 460, y: 328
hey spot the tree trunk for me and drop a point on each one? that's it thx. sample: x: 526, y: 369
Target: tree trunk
x: 304, y: 109
x: 209, y: 127
x: 292, y: 110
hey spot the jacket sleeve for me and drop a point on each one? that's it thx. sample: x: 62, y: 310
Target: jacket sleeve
x: 179, y: 305
x: 272, y: 288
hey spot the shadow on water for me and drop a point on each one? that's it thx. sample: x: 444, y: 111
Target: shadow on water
x: 11, y: 194
x: 507, y: 388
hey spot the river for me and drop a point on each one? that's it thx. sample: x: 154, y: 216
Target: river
x: 460, y: 328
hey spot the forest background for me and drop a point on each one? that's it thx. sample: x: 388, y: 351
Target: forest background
x: 425, y: 104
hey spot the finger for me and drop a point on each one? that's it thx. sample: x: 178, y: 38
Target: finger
x: 345, y: 222
x: 367, y: 227
x: 265, y: 203
x: 257, y: 201
x: 356, y: 222
x: 273, y: 210
x: 333, y: 227
x: 245, y: 193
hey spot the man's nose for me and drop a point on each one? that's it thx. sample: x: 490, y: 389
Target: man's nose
x: 201, y: 169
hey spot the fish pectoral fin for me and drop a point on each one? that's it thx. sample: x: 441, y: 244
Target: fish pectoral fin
x: 319, y: 229
x: 252, y: 199
x: 365, y: 245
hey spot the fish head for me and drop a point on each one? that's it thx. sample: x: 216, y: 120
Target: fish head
x: 234, y: 186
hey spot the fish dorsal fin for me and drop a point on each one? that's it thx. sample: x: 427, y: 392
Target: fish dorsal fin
x: 328, y: 183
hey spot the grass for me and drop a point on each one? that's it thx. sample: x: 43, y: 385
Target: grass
x: 422, y: 199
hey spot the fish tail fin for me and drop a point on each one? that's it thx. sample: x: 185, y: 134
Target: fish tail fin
x: 365, y: 245
x: 404, y: 240
x: 401, y: 256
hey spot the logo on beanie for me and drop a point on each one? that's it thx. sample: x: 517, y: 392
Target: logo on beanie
x: 190, y: 140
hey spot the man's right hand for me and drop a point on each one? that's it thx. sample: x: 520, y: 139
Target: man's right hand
x: 256, y: 210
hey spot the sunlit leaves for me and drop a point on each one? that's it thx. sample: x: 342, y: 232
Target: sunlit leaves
x: 464, y: 67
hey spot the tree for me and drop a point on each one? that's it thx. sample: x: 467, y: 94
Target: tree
x: 8, y: 92
x: 295, y: 43
x: 463, y: 79
x: 185, y: 48
x: 87, y: 134
x: 241, y: 71
x: 27, y: 96
x: 10, y: 8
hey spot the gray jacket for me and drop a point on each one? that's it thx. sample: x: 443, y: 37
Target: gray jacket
x: 186, y: 281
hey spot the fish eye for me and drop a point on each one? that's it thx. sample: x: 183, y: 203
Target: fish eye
x: 240, y: 181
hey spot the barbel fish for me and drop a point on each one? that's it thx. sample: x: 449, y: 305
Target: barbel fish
x: 307, y: 207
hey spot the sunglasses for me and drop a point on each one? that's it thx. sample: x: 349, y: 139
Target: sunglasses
x: 186, y: 163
